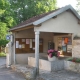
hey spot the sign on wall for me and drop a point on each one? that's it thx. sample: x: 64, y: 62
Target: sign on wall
x: 7, y: 37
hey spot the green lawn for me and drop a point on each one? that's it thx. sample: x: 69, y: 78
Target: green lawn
x: 2, y: 54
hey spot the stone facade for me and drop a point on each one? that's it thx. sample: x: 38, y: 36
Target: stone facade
x: 76, y: 48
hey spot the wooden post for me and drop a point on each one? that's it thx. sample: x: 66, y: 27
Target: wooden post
x: 37, y: 52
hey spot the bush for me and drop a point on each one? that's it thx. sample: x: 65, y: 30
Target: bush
x: 2, y: 54
x: 3, y: 42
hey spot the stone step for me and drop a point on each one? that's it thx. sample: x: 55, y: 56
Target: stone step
x: 29, y: 72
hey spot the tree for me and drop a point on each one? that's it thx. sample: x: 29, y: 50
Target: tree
x: 78, y: 6
x: 13, y: 12
x: 25, y: 9
x: 6, y: 20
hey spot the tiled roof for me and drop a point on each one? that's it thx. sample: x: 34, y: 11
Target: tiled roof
x: 34, y: 18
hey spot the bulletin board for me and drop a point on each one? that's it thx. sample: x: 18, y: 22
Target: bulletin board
x: 27, y: 45
x: 65, y: 44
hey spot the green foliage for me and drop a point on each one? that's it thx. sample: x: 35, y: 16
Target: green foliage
x: 3, y: 30
x: 13, y: 12
x: 25, y: 9
x: 69, y: 59
x: 78, y: 6
x: 74, y: 60
x: 6, y: 20
x: 6, y: 14
x: 2, y: 54
x: 3, y: 42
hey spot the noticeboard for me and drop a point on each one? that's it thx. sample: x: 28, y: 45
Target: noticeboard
x: 27, y: 45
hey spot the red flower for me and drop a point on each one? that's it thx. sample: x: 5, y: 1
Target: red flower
x: 52, y: 53
x: 58, y: 54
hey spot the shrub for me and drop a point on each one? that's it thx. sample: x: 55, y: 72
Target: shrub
x: 2, y: 54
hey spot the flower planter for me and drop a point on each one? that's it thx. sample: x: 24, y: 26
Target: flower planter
x: 73, y: 66
x: 52, y: 58
x: 52, y: 55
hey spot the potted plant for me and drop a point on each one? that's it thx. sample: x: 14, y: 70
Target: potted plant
x: 52, y: 54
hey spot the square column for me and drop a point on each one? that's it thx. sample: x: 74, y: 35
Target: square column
x: 13, y: 47
x: 37, y: 51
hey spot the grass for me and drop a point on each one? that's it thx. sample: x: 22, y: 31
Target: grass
x: 2, y: 54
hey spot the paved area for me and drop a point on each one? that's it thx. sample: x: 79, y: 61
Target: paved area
x: 9, y: 74
x: 59, y: 75
x: 2, y: 61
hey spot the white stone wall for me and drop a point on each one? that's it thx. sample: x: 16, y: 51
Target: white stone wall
x: 64, y: 23
x: 23, y: 58
x: 76, y: 48
x: 47, y: 65
x: 43, y: 64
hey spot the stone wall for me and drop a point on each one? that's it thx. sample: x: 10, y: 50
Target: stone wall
x: 72, y: 66
x: 76, y: 48
x: 57, y: 65
x: 47, y: 65
x: 43, y: 64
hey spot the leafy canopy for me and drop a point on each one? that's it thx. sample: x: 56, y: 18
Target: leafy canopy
x: 25, y: 9
x: 6, y: 20
x: 13, y: 12
x: 78, y: 6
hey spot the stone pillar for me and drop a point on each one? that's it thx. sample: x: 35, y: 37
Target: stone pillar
x: 13, y: 43
x: 73, y: 35
x: 72, y: 43
x: 8, y: 52
x: 37, y: 52
x: 76, y: 46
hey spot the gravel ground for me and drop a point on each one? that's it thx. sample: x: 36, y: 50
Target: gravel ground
x: 9, y: 74
x: 59, y: 75
x: 2, y: 61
